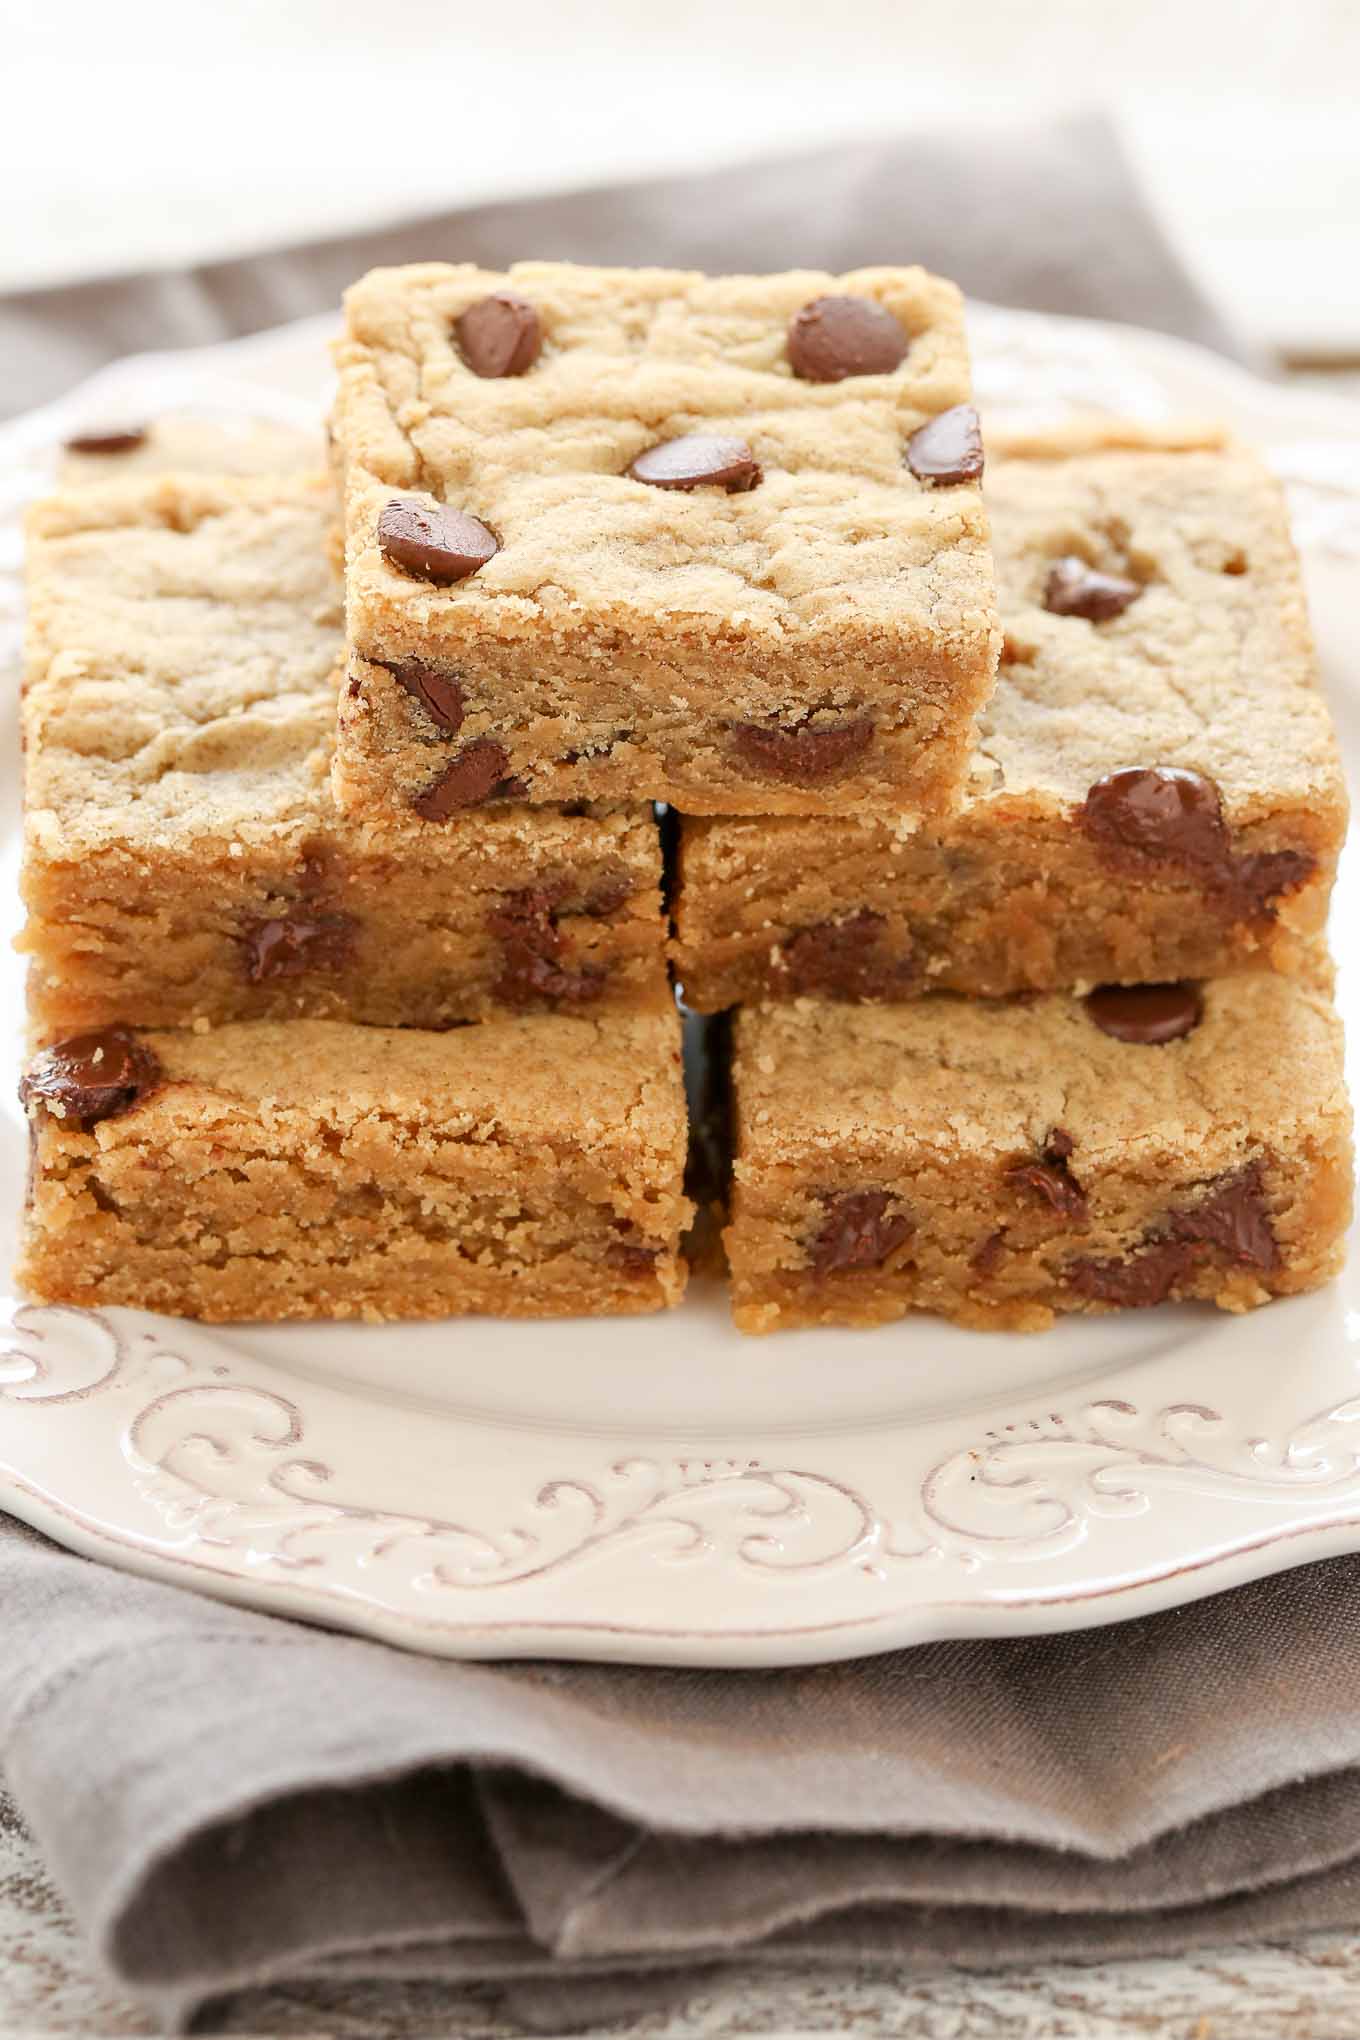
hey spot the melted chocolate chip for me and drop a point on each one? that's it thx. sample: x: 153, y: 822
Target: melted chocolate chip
x: 125, y: 439
x: 1232, y: 1223
x: 803, y: 753
x: 698, y: 460
x: 439, y: 694
x: 948, y: 449
x: 833, y: 337
x: 89, y: 1077
x: 435, y: 544
x: 859, y: 1231
x: 475, y: 775
x: 1050, y: 1178
x: 844, y: 960
x: 1163, y: 813
x: 1158, y: 811
x: 988, y: 1255
x: 499, y: 335
x: 607, y: 896
x: 296, y: 945
x: 1075, y: 589
x: 1146, y: 1014
x: 525, y: 925
x: 631, y: 1258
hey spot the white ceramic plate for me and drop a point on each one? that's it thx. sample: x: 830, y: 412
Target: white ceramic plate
x: 660, y: 1489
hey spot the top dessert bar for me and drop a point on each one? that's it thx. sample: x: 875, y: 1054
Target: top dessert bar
x: 182, y: 443
x: 1156, y: 791
x: 622, y: 534
x: 184, y: 860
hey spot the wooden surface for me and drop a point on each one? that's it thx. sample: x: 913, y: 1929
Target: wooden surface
x: 1303, y: 1990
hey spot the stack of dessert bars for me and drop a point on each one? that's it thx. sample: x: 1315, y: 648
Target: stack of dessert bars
x: 350, y: 975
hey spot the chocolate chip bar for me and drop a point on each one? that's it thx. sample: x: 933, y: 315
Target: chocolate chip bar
x: 645, y: 534
x: 1002, y: 1163
x: 529, y: 1167
x: 1156, y: 791
x: 182, y: 443
x: 184, y: 860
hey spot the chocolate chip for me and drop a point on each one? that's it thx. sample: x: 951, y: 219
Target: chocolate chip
x: 988, y: 1255
x: 948, y: 449
x: 89, y: 1077
x: 125, y: 439
x: 1158, y: 811
x: 1074, y: 589
x: 833, y: 337
x: 438, y: 544
x: 607, y: 896
x: 525, y: 925
x: 1050, y: 1178
x: 845, y: 960
x: 296, y: 945
x: 1146, y: 1014
x: 859, y: 1231
x: 439, y: 694
x: 1262, y: 876
x: 499, y: 335
x: 698, y: 460
x: 1163, y: 812
x: 475, y: 775
x: 631, y: 1258
x: 1233, y: 1222
x: 802, y: 753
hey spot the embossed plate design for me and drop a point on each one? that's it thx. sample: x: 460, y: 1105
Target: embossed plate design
x: 660, y: 1489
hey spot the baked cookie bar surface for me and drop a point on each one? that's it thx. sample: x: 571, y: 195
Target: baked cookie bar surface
x: 184, y: 858
x: 715, y: 541
x: 1156, y: 791
x: 311, y: 1169
x: 1000, y: 1164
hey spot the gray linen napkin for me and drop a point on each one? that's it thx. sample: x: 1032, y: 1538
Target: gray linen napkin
x: 228, y: 1799
x: 1046, y: 217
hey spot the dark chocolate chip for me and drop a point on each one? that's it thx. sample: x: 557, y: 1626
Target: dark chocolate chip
x: 948, y: 449
x: 1075, y: 589
x: 1050, y: 1178
x: 803, y: 753
x: 607, y: 896
x: 833, y: 337
x: 296, y: 945
x: 1262, y: 876
x: 89, y: 1077
x: 1158, y: 811
x: 631, y: 1258
x: 525, y: 925
x: 125, y: 439
x: 1146, y: 1014
x: 499, y: 335
x: 1232, y: 1222
x: 859, y: 1231
x: 989, y: 1254
x: 435, y: 544
x: 845, y: 960
x: 698, y: 460
x: 475, y: 775
x: 439, y: 694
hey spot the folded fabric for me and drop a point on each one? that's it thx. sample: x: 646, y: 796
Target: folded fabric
x: 228, y: 1799
x: 1046, y: 217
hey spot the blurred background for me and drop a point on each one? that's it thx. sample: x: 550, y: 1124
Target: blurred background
x: 158, y: 133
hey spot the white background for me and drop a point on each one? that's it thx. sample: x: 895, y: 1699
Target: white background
x: 162, y: 130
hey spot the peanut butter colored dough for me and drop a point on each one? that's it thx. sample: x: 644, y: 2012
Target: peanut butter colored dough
x: 1001, y: 1163
x: 183, y: 443
x: 529, y: 1167
x: 184, y: 859
x: 1211, y: 669
x: 816, y: 643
